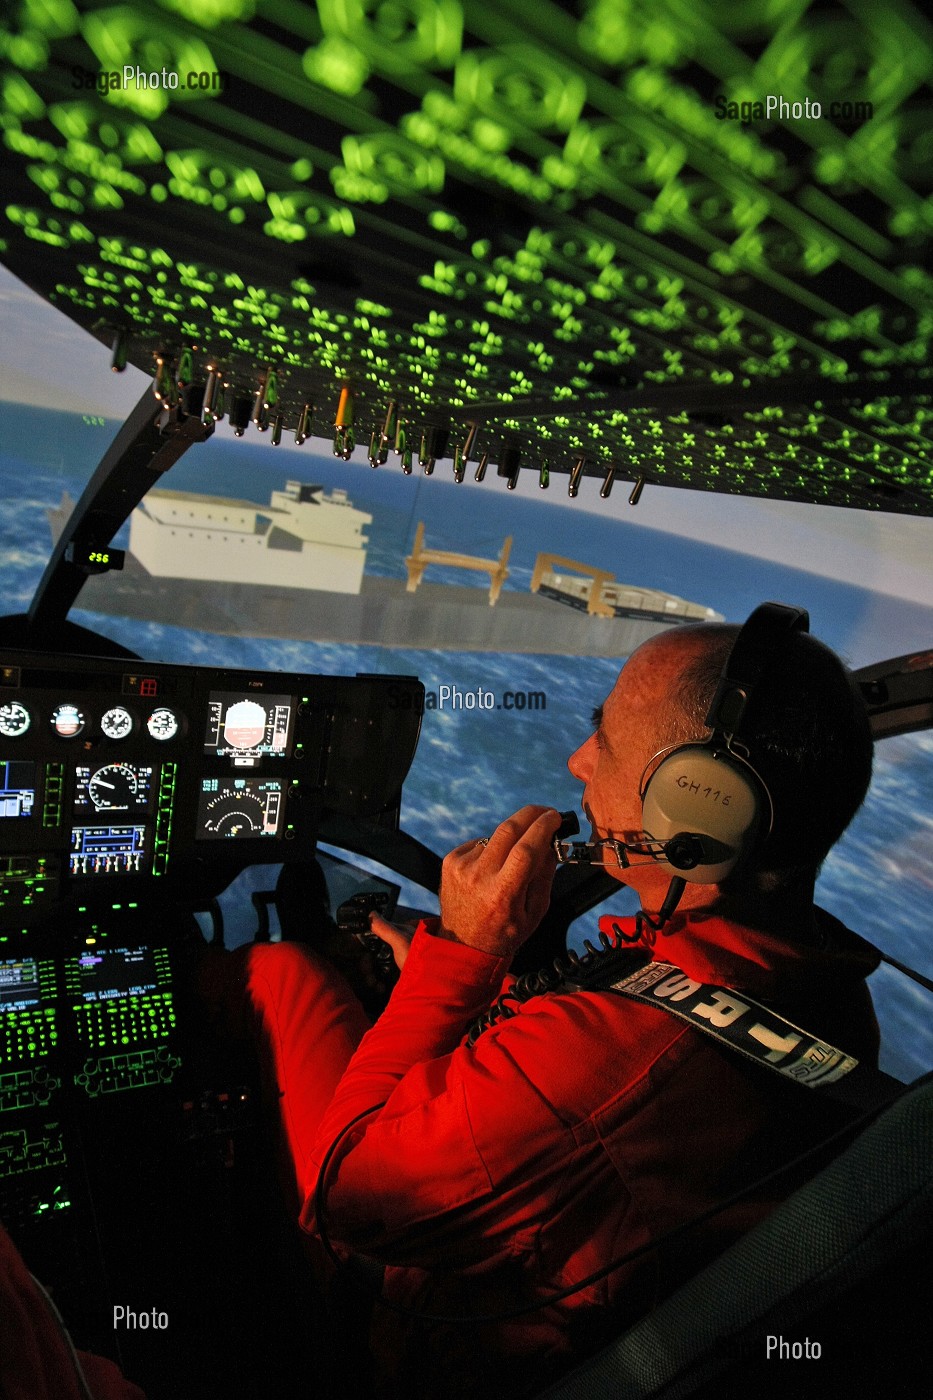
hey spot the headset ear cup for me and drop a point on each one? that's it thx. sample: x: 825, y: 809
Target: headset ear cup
x: 708, y: 794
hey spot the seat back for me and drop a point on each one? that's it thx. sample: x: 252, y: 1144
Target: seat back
x: 835, y: 1266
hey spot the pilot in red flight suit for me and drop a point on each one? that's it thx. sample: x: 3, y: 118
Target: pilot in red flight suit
x: 485, y: 1178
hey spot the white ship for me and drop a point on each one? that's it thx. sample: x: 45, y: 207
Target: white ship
x: 304, y: 538
x: 599, y: 594
x: 183, y: 567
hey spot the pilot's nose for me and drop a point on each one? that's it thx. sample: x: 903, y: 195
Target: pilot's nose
x: 582, y: 762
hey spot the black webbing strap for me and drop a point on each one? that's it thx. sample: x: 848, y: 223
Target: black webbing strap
x: 744, y: 1025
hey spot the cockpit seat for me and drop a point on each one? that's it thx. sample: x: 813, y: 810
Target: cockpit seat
x: 828, y: 1297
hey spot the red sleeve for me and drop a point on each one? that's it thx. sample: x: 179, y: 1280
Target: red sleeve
x: 36, y: 1360
x: 465, y: 1143
x: 442, y: 989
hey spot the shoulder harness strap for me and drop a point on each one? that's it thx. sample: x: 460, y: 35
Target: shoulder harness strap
x: 744, y: 1025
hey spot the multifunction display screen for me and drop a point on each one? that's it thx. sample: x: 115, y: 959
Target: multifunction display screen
x: 108, y: 850
x: 19, y: 984
x: 114, y: 787
x: 247, y: 728
x: 240, y: 808
x: 17, y: 787
x: 117, y: 972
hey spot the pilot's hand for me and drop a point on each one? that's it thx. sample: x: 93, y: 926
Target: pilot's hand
x: 493, y: 896
x: 398, y: 936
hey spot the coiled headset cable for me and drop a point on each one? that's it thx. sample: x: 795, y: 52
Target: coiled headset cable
x: 576, y: 970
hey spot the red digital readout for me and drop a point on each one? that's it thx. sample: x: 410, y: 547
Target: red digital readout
x: 145, y: 686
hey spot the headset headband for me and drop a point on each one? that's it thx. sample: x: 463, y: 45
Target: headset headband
x: 752, y: 654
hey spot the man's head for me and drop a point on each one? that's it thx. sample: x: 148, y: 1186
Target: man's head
x: 806, y: 731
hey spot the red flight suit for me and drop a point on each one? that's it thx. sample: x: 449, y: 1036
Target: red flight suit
x: 584, y: 1126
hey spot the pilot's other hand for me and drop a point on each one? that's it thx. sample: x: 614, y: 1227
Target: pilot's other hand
x: 494, y: 895
x: 398, y: 936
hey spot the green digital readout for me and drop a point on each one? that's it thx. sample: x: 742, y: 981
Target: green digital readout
x: 93, y: 560
x: 689, y: 244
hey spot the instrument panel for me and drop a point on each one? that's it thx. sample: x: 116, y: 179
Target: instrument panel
x: 112, y: 777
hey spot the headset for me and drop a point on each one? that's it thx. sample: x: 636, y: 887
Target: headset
x: 706, y: 803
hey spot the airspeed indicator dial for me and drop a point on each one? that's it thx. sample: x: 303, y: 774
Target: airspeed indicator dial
x: 14, y: 720
x: 117, y: 723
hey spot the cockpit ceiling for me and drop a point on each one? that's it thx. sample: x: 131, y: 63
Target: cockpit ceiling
x: 545, y: 219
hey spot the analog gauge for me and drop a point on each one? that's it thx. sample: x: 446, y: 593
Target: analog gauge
x: 115, y: 787
x: 117, y: 723
x: 68, y: 721
x: 162, y: 724
x: 14, y: 720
